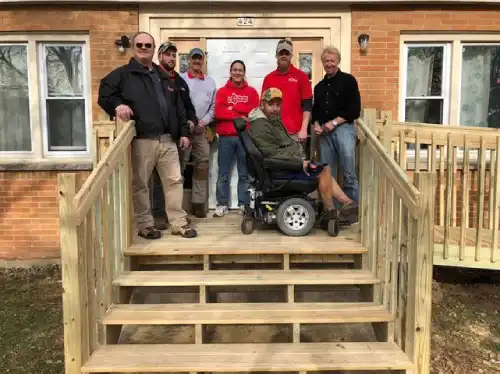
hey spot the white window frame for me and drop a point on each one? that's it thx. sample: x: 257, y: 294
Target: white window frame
x: 39, y: 153
x: 454, y: 68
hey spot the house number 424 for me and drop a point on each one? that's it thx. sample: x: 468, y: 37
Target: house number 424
x: 244, y: 21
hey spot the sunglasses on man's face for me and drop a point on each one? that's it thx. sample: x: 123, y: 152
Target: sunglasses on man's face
x: 144, y: 45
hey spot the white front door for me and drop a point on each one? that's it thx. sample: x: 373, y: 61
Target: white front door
x: 259, y: 58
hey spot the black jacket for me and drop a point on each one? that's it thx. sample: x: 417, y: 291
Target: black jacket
x: 132, y: 85
x: 183, y: 88
x: 336, y: 96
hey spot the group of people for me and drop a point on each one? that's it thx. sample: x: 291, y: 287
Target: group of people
x: 176, y: 114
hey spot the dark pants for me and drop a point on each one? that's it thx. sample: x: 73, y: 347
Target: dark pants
x: 230, y: 149
x: 157, y: 196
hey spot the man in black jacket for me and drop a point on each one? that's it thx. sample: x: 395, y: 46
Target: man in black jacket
x: 167, y: 56
x: 337, y: 104
x: 142, y: 92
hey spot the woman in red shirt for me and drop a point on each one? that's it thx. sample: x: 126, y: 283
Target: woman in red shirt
x: 234, y: 100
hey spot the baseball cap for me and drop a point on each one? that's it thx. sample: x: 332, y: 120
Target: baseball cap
x: 196, y: 51
x: 167, y: 45
x: 284, y: 44
x: 272, y: 94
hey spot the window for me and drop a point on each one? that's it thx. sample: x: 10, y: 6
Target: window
x: 451, y: 79
x: 426, y: 93
x: 44, y: 98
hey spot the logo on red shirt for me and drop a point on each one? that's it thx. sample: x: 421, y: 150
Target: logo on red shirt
x: 293, y: 80
x: 235, y: 99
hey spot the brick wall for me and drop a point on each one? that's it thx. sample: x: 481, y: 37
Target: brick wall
x: 29, y: 215
x: 29, y: 219
x: 378, y: 71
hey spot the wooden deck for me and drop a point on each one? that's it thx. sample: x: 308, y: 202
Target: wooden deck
x: 471, y: 255
x: 222, y: 240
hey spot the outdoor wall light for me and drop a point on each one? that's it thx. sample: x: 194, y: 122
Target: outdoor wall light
x: 363, y: 41
x: 123, y: 43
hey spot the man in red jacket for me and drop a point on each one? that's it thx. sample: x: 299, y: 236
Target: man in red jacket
x: 234, y: 100
x: 297, y: 92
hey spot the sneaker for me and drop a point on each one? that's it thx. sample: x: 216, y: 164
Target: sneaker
x: 186, y: 231
x: 349, y: 212
x: 241, y: 209
x: 150, y: 233
x: 221, y: 211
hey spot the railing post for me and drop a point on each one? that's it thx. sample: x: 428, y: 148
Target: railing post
x: 419, y: 306
x: 75, y: 349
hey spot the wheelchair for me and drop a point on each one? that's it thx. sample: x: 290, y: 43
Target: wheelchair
x: 285, y: 202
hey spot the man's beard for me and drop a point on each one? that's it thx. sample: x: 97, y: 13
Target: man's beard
x: 168, y: 67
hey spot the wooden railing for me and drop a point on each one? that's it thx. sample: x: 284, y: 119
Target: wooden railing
x: 467, y: 163
x: 95, y: 226
x: 396, y: 227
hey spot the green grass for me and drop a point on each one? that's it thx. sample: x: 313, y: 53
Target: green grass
x: 31, y: 327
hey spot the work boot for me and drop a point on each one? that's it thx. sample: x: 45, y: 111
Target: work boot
x: 199, y: 210
x: 150, y: 233
x: 186, y: 231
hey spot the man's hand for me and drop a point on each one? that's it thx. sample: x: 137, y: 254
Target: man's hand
x: 184, y: 142
x: 245, y: 118
x: 200, y: 128
x: 191, y: 126
x: 302, y: 135
x: 308, y: 165
x: 329, y: 126
x: 124, y: 112
x: 318, y: 130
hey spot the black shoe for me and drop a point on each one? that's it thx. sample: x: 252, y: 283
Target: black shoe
x: 199, y: 210
x: 349, y: 212
x: 150, y: 233
x: 161, y: 223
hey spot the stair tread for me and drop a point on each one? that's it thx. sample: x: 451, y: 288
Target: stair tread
x: 273, y: 357
x: 246, y: 277
x: 222, y: 244
x: 250, y: 313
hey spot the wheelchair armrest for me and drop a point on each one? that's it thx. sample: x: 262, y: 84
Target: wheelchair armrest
x: 239, y: 124
x: 275, y: 164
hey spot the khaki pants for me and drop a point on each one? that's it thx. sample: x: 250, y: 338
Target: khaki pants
x: 162, y: 153
x: 200, y: 149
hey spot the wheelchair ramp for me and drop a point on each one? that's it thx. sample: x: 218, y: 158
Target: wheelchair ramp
x: 229, y: 302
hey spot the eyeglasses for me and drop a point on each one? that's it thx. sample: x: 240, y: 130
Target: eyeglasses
x: 144, y: 45
x: 285, y: 41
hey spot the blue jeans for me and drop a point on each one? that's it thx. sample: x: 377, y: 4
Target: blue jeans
x: 230, y: 148
x: 339, y: 147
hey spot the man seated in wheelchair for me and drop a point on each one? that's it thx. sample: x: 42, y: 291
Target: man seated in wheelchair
x: 271, y: 138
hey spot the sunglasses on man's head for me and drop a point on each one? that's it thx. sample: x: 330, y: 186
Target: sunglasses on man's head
x: 285, y: 41
x: 144, y: 45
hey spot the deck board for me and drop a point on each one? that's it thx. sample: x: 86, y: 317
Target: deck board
x: 218, y: 236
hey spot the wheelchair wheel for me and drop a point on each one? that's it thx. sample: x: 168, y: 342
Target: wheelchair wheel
x: 333, y: 227
x: 296, y: 217
x: 247, y: 226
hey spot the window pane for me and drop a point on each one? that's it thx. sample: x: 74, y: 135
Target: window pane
x: 305, y: 63
x: 480, y: 91
x: 15, y: 131
x: 425, y: 111
x: 424, y: 73
x: 64, y: 69
x: 66, y: 124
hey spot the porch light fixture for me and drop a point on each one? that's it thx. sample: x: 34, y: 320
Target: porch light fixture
x: 123, y: 43
x: 363, y: 41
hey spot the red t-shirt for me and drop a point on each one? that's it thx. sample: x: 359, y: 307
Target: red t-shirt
x: 295, y: 86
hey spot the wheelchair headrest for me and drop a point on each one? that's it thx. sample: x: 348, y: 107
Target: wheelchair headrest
x: 239, y: 124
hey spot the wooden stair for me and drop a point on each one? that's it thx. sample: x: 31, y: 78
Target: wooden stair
x: 238, y: 266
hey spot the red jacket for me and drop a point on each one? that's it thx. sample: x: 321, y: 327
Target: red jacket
x: 232, y: 102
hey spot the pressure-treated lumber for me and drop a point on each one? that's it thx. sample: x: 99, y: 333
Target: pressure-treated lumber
x: 245, y: 313
x: 245, y: 278
x: 156, y: 358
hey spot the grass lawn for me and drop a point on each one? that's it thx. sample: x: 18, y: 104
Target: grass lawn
x: 465, y: 331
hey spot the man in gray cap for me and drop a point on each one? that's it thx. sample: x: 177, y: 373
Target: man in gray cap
x: 202, y: 91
